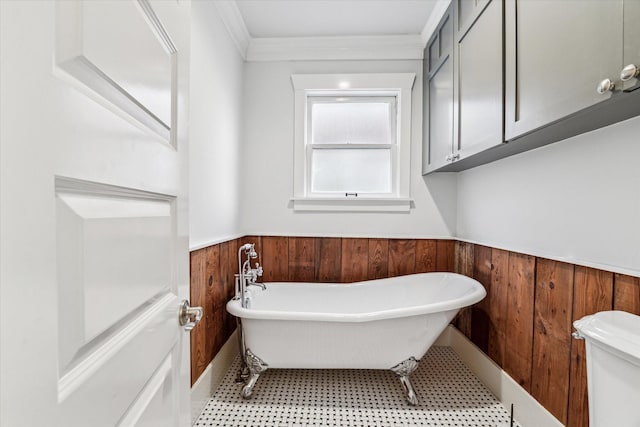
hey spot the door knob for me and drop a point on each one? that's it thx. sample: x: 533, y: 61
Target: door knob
x: 605, y: 86
x: 629, y: 72
x: 189, y: 316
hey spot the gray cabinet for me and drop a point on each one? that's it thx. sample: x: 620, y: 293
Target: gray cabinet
x: 557, y: 53
x: 478, y: 94
x: 631, y: 52
x: 438, y: 100
x: 463, y: 72
x: 527, y: 73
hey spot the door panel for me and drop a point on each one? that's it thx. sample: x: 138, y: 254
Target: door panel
x: 557, y: 52
x: 94, y: 45
x: 468, y: 11
x: 94, y: 213
x: 114, y: 258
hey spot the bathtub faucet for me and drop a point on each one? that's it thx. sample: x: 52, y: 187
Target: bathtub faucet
x: 247, y: 276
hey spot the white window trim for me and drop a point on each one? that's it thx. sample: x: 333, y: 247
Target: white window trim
x: 306, y: 85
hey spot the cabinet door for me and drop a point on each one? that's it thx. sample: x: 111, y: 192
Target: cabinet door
x: 478, y: 117
x: 438, y: 102
x: 466, y: 13
x: 632, y: 40
x: 556, y: 54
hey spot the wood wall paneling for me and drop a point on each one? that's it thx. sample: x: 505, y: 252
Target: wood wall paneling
x: 519, y: 318
x: 524, y: 323
x: 463, y: 258
x: 498, y: 305
x: 402, y: 257
x: 445, y: 255
x: 328, y: 256
x: 592, y: 292
x: 378, y: 258
x: 214, y: 298
x: 355, y: 260
x: 226, y: 283
x: 215, y: 286
x: 232, y: 269
x: 627, y: 294
x: 480, y: 320
x: 302, y: 255
x: 552, y: 336
x: 275, y: 256
x: 462, y: 264
x: 425, y: 256
x: 197, y: 298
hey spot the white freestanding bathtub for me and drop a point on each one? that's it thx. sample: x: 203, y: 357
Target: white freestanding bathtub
x: 377, y: 324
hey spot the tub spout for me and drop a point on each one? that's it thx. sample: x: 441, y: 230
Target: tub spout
x: 256, y: 367
x: 403, y: 370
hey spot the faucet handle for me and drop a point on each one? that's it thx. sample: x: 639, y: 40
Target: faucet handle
x: 259, y: 270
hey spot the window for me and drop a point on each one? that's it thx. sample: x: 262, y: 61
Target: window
x: 352, y: 142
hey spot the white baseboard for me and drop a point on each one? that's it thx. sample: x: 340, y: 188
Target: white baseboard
x: 527, y: 411
x: 212, y: 376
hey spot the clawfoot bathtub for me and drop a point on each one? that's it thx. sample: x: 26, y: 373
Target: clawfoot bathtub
x: 376, y: 324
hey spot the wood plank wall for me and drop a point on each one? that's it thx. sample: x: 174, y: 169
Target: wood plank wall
x: 524, y: 324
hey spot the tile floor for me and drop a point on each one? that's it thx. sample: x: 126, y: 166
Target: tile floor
x: 449, y: 395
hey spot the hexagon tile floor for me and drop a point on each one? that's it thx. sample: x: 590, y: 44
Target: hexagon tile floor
x: 449, y: 395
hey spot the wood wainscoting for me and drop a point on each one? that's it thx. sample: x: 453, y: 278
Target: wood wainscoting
x: 524, y: 324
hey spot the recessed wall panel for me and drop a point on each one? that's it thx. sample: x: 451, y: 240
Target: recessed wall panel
x: 121, y: 52
x: 114, y: 257
x: 118, y: 40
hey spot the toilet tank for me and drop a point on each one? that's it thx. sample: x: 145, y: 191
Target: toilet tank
x: 613, y: 367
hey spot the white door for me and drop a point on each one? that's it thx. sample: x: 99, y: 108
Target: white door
x: 94, y: 255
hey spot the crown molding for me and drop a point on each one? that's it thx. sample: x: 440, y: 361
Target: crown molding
x: 237, y: 29
x: 435, y: 16
x: 335, y: 48
x: 392, y: 47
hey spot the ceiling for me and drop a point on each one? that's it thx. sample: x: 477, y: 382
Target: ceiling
x: 321, y: 18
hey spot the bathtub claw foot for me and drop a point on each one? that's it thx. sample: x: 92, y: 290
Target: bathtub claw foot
x: 404, y: 370
x: 256, y: 367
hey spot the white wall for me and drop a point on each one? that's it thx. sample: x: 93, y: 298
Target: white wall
x: 576, y: 200
x: 215, y: 129
x: 268, y: 162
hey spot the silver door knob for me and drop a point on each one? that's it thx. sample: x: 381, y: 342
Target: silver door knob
x: 605, y: 86
x: 189, y: 316
x: 629, y: 72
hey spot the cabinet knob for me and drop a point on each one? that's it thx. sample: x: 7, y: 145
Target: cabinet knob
x: 629, y: 72
x: 448, y: 158
x: 605, y: 86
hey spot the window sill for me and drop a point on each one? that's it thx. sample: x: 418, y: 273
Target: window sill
x: 360, y: 204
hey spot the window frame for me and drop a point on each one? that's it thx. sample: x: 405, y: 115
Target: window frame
x: 374, y: 85
x: 389, y: 98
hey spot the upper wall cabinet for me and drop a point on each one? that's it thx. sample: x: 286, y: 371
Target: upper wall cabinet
x: 464, y: 105
x: 478, y: 96
x: 532, y: 72
x: 437, y: 108
x: 630, y: 74
x: 563, y: 57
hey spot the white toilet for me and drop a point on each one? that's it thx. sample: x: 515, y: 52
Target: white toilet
x: 613, y: 367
